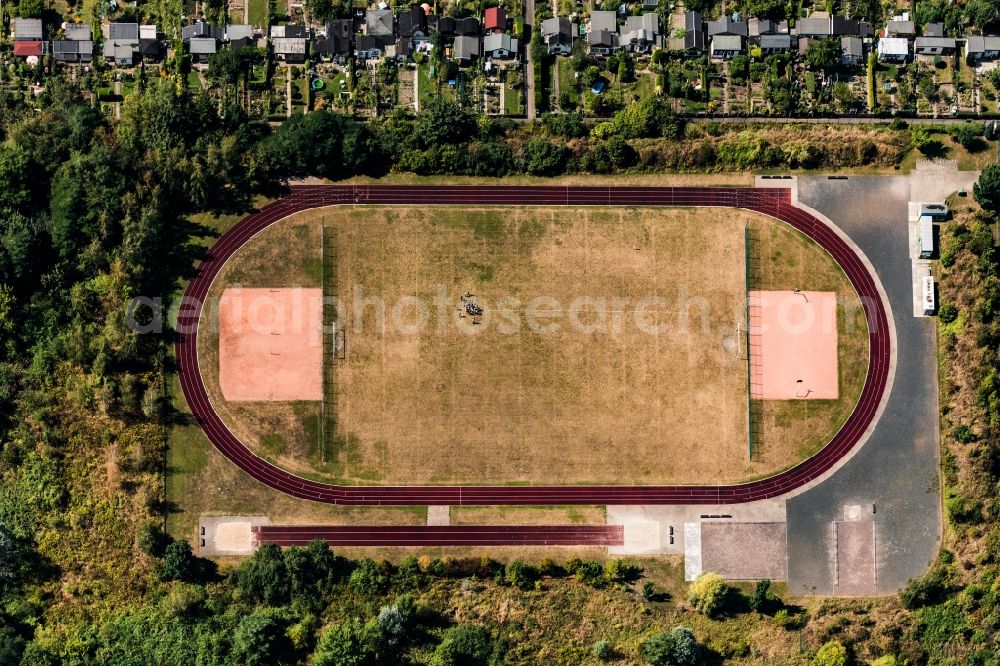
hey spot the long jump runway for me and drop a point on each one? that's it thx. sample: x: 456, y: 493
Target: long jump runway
x: 773, y: 202
x: 447, y: 535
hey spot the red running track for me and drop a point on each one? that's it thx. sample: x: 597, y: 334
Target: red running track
x: 448, y: 535
x: 773, y: 202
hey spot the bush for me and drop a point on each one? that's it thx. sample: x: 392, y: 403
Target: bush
x: 947, y: 313
x: 885, y: 660
x: 762, y: 599
x: 603, y: 651
x: 707, y: 593
x: 926, y: 590
x: 543, y: 158
x: 831, y: 654
x: 464, y: 645
x: 677, y: 647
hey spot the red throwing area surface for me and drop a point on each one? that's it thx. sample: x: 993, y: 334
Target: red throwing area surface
x: 793, y: 345
x: 270, y: 344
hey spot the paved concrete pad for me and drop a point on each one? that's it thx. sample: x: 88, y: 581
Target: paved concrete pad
x: 439, y: 515
x: 227, y: 535
x: 744, y: 551
x: 855, y: 559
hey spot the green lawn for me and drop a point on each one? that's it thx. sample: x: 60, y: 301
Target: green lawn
x: 512, y: 105
x: 258, y: 12
x: 193, y: 82
x: 426, y: 84
x: 567, y: 80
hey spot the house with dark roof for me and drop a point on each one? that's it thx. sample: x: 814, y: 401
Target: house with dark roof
x: 290, y: 50
x: 370, y: 48
x: 727, y: 26
x: 465, y: 50
x: 817, y: 27
x: 557, y: 35
x: 852, y: 51
x: 413, y: 24
x: 467, y: 26
x: 840, y: 26
x: 641, y: 33
x: 694, y: 33
x: 202, y: 49
x: 122, y: 52
x: 900, y: 29
x: 292, y: 31
x: 934, y: 30
x: 500, y: 47
x: 443, y: 25
x: 378, y: 23
x: 758, y: 26
x: 775, y: 44
x: 28, y: 29
x: 201, y: 29
x: 150, y: 50
x: 123, y: 31
x: 979, y: 48
x: 945, y: 46
x: 72, y: 51
x: 726, y: 47
x: 602, y: 39
x: 495, y: 20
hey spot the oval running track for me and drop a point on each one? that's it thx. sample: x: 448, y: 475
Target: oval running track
x: 772, y: 202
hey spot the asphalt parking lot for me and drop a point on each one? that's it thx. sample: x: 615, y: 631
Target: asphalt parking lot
x: 895, y: 475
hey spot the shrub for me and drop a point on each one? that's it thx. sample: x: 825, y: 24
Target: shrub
x: 885, y: 660
x: 831, y: 654
x: 947, y: 313
x: 926, y: 590
x: 707, y: 593
x: 603, y: 651
x: 762, y: 598
x: 464, y: 645
x: 677, y: 647
x: 963, y: 434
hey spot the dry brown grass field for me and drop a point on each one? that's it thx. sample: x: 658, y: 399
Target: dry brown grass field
x: 499, y: 403
x: 796, y: 429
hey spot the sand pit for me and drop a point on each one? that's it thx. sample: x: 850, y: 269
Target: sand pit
x: 793, y: 345
x: 270, y: 344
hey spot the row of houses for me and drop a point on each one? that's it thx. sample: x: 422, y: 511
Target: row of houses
x: 900, y: 42
x: 125, y: 44
x: 728, y: 37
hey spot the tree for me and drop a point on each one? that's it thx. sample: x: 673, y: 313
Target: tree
x: 831, y: 654
x: 369, y: 578
x: 30, y: 8
x: 739, y: 69
x: 824, y: 54
x: 677, y: 647
x: 968, y: 135
x: 226, y: 65
x: 543, y: 158
x: 464, y: 645
x: 178, y: 561
x: 394, y: 622
x: 987, y: 188
x: 263, y: 577
x: 8, y: 558
x: 260, y: 638
x: 444, y: 122
x: 707, y: 593
x: 347, y: 644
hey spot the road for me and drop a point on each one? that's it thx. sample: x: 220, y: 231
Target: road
x: 774, y: 202
x: 529, y: 29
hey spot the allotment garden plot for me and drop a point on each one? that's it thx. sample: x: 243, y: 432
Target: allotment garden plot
x: 513, y: 345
